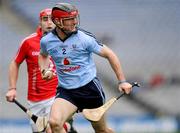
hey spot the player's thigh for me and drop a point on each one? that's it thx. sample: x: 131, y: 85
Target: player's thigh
x: 41, y: 108
x: 62, y: 110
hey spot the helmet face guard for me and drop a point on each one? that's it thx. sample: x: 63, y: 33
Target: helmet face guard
x: 62, y: 12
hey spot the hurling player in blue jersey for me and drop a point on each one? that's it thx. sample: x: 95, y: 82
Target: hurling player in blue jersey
x: 71, y: 49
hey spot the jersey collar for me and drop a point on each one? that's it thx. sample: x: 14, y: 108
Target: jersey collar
x: 55, y: 33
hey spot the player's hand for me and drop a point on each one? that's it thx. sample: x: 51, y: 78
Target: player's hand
x: 47, y: 74
x: 11, y: 94
x: 126, y: 87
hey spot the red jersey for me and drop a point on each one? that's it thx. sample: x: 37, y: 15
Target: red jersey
x: 38, y: 89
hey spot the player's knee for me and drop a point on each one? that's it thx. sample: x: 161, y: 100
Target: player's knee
x: 55, y: 124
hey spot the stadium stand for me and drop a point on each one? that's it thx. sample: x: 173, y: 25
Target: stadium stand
x: 145, y: 34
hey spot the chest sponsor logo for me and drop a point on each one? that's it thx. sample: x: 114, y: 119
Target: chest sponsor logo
x: 35, y: 53
x: 70, y: 69
x: 66, y: 61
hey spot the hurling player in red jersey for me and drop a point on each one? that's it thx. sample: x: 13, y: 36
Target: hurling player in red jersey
x: 41, y: 93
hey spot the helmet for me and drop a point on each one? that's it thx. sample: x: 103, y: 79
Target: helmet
x: 64, y: 10
x: 45, y: 12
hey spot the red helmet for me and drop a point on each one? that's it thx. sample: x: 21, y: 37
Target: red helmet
x: 64, y: 10
x: 45, y: 12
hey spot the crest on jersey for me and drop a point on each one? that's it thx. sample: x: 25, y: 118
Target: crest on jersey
x: 74, y: 46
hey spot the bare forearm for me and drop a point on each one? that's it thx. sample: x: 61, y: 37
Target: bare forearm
x: 44, y: 62
x: 13, y: 74
x: 116, y: 66
x: 114, y: 62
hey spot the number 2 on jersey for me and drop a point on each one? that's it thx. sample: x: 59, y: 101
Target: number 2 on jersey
x: 63, y: 51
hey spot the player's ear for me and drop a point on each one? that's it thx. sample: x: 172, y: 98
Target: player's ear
x: 56, y: 21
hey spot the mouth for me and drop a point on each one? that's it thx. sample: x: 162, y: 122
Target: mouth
x: 49, y: 28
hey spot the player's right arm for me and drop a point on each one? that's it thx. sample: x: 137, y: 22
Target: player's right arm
x: 13, y: 76
x: 14, y: 70
x: 44, y: 62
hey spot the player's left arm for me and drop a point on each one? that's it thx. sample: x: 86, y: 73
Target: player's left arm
x: 116, y: 66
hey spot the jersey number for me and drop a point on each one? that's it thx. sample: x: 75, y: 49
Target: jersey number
x: 63, y: 51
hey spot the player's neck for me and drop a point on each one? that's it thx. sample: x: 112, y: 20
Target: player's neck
x: 61, y: 34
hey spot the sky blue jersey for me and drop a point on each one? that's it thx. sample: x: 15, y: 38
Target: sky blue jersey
x: 72, y: 57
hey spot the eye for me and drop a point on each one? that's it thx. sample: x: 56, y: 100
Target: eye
x: 45, y: 18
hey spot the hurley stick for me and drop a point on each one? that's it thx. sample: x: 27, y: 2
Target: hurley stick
x: 41, y: 122
x: 96, y: 113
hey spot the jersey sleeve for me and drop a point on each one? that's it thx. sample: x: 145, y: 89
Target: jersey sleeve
x: 43, y: 49
x: 93, y: 45
x: 21, y: 53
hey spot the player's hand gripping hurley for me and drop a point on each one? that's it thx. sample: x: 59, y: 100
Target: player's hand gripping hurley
x: 41, y: 122
x: 97, y: 113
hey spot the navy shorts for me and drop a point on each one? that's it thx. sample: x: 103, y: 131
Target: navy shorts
x: 88, y: 96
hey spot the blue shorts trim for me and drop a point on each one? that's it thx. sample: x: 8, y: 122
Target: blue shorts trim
x: 88, y: 96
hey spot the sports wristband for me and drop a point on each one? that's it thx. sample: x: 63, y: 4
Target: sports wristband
x: 121, y: 81
x: 12, y: 89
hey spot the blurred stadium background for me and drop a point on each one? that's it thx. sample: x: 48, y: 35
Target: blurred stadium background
x: 144, y: 34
